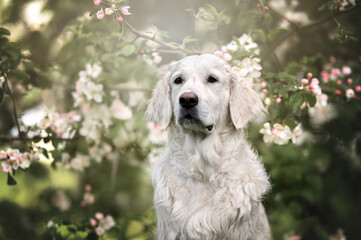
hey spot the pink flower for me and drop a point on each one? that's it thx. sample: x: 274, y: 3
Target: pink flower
x: 264, y: 91
x: 119, y: 19
x: 304, y: 81
x: 263, y: 84
x: 315, y: 81
x: 88, y: 188
x: 99, y: 215
x: 227, y: 57
x: 338, y: 92
x: 349, y: 81
x: 218, y: 53
x: 346, y: 70
x: 335, y: 71
x: 267, y: 101
x: 309, y: 75
x: 358, y: 88
x: 13, y: 154
x: 100, y: 14
x: 278, y: 100
x: 93, y: 222
x: 325, y: 76
x: 97, y: 2
x: 3, y: 155
x: 125, y: 10
x: 339, y: 83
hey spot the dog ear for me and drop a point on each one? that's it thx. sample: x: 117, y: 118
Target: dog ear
x: 160, y: 107
x: 244, y: 102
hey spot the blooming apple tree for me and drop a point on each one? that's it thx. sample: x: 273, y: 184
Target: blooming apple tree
x: 82, y: 110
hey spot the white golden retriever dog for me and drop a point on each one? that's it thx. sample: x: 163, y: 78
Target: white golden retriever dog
x: 208, y: 183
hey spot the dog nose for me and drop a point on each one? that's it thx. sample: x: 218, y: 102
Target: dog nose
x: 188, y: 100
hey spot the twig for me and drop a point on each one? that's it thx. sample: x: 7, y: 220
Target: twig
x: 160, y: 42
x: 277, y: 61
x: 285, y: 18
x: 299, y: 28
x: 13, y: 100
x: 18, y: 139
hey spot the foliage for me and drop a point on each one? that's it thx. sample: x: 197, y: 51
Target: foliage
x: 74, y: 82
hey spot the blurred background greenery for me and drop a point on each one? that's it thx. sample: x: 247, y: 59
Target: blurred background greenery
x: 315, y: 190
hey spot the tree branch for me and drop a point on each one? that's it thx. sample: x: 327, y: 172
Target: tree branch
x: 15, y: 115
x: 299, y: 28
x: 160, y: 42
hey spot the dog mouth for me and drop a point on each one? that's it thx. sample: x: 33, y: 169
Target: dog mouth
x: 190, y: 120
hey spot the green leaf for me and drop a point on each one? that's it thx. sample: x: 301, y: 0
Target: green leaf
x: 290, y: 122
x: 11, y: 180
x: 4, y: 31
x: 128, y: 50
x: 310, y: 99
x: 45, y: 153
x: 296, y: 100
x: 189, y: 39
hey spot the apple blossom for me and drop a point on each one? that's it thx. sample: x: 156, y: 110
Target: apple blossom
x: 109, y: 11
x: 278, y: 100
x: 304, y: 81
x: 350, y: 93
x: 339, y: 82
x: 125, y: 10
x: 3, y: 155
x: 346, y: 70
x: 97, y: 2
x: 349, y: 81
x: 309, y: 75
x: 227, y: 57
x: 267, y: 101
x: 218, y: 53
x: 100, y: 14
x: 358, y: 88
x: 119, y: 19
x: 338, y: 92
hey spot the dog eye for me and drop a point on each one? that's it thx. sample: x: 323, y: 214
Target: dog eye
x: 212, y: 79
x: 178, y: 80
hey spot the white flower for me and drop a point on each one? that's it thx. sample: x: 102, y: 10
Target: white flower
x: 246, y: 41
x: 232, y: 46
x: 109, y: 11
x: 97, y: 153
x: 120, y: 111
x: 79, y: 162
x: 61, y: 201
x: 24, y: 161
x: 296, y: 132
x: 156, y: 58
x: 93, y: 71
x: 90, y: 129
x: 105, y: 223
x: 94, y: 92
x: 267, y: 133
x: 44, y: 123
x: 250, y: 68
x: 322, y: 112
x: 350, y: 93
x: 280, y: 134
x: 156, y: 134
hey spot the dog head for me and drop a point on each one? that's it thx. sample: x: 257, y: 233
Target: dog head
x: 200, y: 93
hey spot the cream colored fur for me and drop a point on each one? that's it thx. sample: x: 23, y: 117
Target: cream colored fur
x: 208, y: 184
